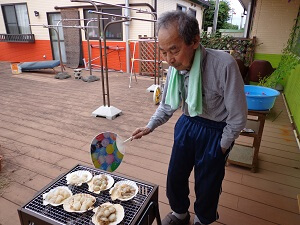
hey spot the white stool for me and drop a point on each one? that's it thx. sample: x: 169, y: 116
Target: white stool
x: 77, y: 73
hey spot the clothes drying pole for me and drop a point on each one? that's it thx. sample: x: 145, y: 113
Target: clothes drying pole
x: 100, y: 44
x: 106, y: 110
x: 109, y: 111
x: 154, y: 86
x: 86, y: 28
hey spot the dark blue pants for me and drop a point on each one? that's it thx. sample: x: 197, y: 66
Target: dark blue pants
x: 197, y: 144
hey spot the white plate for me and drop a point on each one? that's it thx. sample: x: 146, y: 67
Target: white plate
x: 129, y: 182
x: 45, y: 202
x: 119, y: 213
x: 79, y: 173
x: 110, y: 181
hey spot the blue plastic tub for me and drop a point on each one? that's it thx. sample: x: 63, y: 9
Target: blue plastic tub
x: 260, y: 98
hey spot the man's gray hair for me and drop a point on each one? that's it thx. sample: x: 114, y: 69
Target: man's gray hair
x: 187, y: 24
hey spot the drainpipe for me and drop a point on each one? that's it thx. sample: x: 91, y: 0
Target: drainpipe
x: 247, y: 24
x: 127, y: 13
x: 214, y: 29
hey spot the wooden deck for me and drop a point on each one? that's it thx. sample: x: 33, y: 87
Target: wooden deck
x: 46, y: 128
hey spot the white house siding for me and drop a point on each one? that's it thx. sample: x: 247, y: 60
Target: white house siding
x: 136, y: 27
x: 42, y: 6
x: 273, y: 21
x: 141, y: 27
x: 146, y: 28
x: 166, y: 5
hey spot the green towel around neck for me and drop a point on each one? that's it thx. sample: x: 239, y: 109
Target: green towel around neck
x: 194, y: 96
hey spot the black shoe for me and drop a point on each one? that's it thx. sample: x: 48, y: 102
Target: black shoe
x: 172, y: 219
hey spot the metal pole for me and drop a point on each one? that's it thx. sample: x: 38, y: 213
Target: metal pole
x: 249, y: 9
x: 128, y: 19
x: 89, y: 49
x: 215, y: 17
x: 154, y: 14
x: 86, y: 28
x: 100, y: 46
x: 155, y: 49
x: 127, y: 37
x: 126, y: 7
x: 106, y: 67
x: 59, y: 50
x: 124, y: 17
x: 86, y: 33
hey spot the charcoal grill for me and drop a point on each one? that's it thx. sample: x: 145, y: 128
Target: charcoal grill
x: 141, y: 210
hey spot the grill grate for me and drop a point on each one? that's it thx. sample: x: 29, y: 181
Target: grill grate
x: 58, y: 214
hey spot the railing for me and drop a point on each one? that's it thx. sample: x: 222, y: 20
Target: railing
x: 17, y: 38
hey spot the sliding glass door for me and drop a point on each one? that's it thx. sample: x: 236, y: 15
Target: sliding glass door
x: 53, y: 19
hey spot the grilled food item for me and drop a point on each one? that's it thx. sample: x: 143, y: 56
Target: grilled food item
x: 79, y: 203
x: 56, y: 196
x: 100, y: 183
x: 108, y: 214
x: 123, y: 190
x: 79, y: 177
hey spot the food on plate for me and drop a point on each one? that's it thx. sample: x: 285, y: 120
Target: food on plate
x: 79, y: 203
x: 108, y: 214
x: 100, y: 183
x: 56, y: 196
x: 123, y: 190
x: 79, y: 177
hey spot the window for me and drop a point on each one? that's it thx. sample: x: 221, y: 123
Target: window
x: 192, y: 12
x: 114, y: 31
x: 181, y: 7
x: 16, y: 19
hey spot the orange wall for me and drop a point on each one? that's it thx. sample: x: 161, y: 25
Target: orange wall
x: 25, y: 52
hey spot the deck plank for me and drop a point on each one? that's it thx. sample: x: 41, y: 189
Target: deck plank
x: 46, y: 128
x: 8, y: 215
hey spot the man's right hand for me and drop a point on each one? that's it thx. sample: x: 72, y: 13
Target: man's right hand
x: 140, y: 132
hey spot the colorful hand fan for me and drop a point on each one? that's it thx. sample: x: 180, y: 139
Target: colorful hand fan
x: 105, y: 152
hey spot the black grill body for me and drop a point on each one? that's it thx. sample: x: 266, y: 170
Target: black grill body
x: 141, y: 210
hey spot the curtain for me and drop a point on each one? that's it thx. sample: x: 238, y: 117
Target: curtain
x: 22, y: 17
x: 54, y: 18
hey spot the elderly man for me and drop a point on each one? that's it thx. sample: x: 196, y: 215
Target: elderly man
x: 209, y: 87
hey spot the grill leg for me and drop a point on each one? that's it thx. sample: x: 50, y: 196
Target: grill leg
x: 158, y: 220
x: 152, y: 206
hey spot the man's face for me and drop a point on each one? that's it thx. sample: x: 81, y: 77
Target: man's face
x: 174, y: 50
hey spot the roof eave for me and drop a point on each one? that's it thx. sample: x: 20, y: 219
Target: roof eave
x: 203, y: 3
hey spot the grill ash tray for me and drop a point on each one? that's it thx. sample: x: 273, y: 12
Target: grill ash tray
x: 142, y: 209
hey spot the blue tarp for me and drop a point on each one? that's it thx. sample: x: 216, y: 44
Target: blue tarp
x: 50, y: 64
